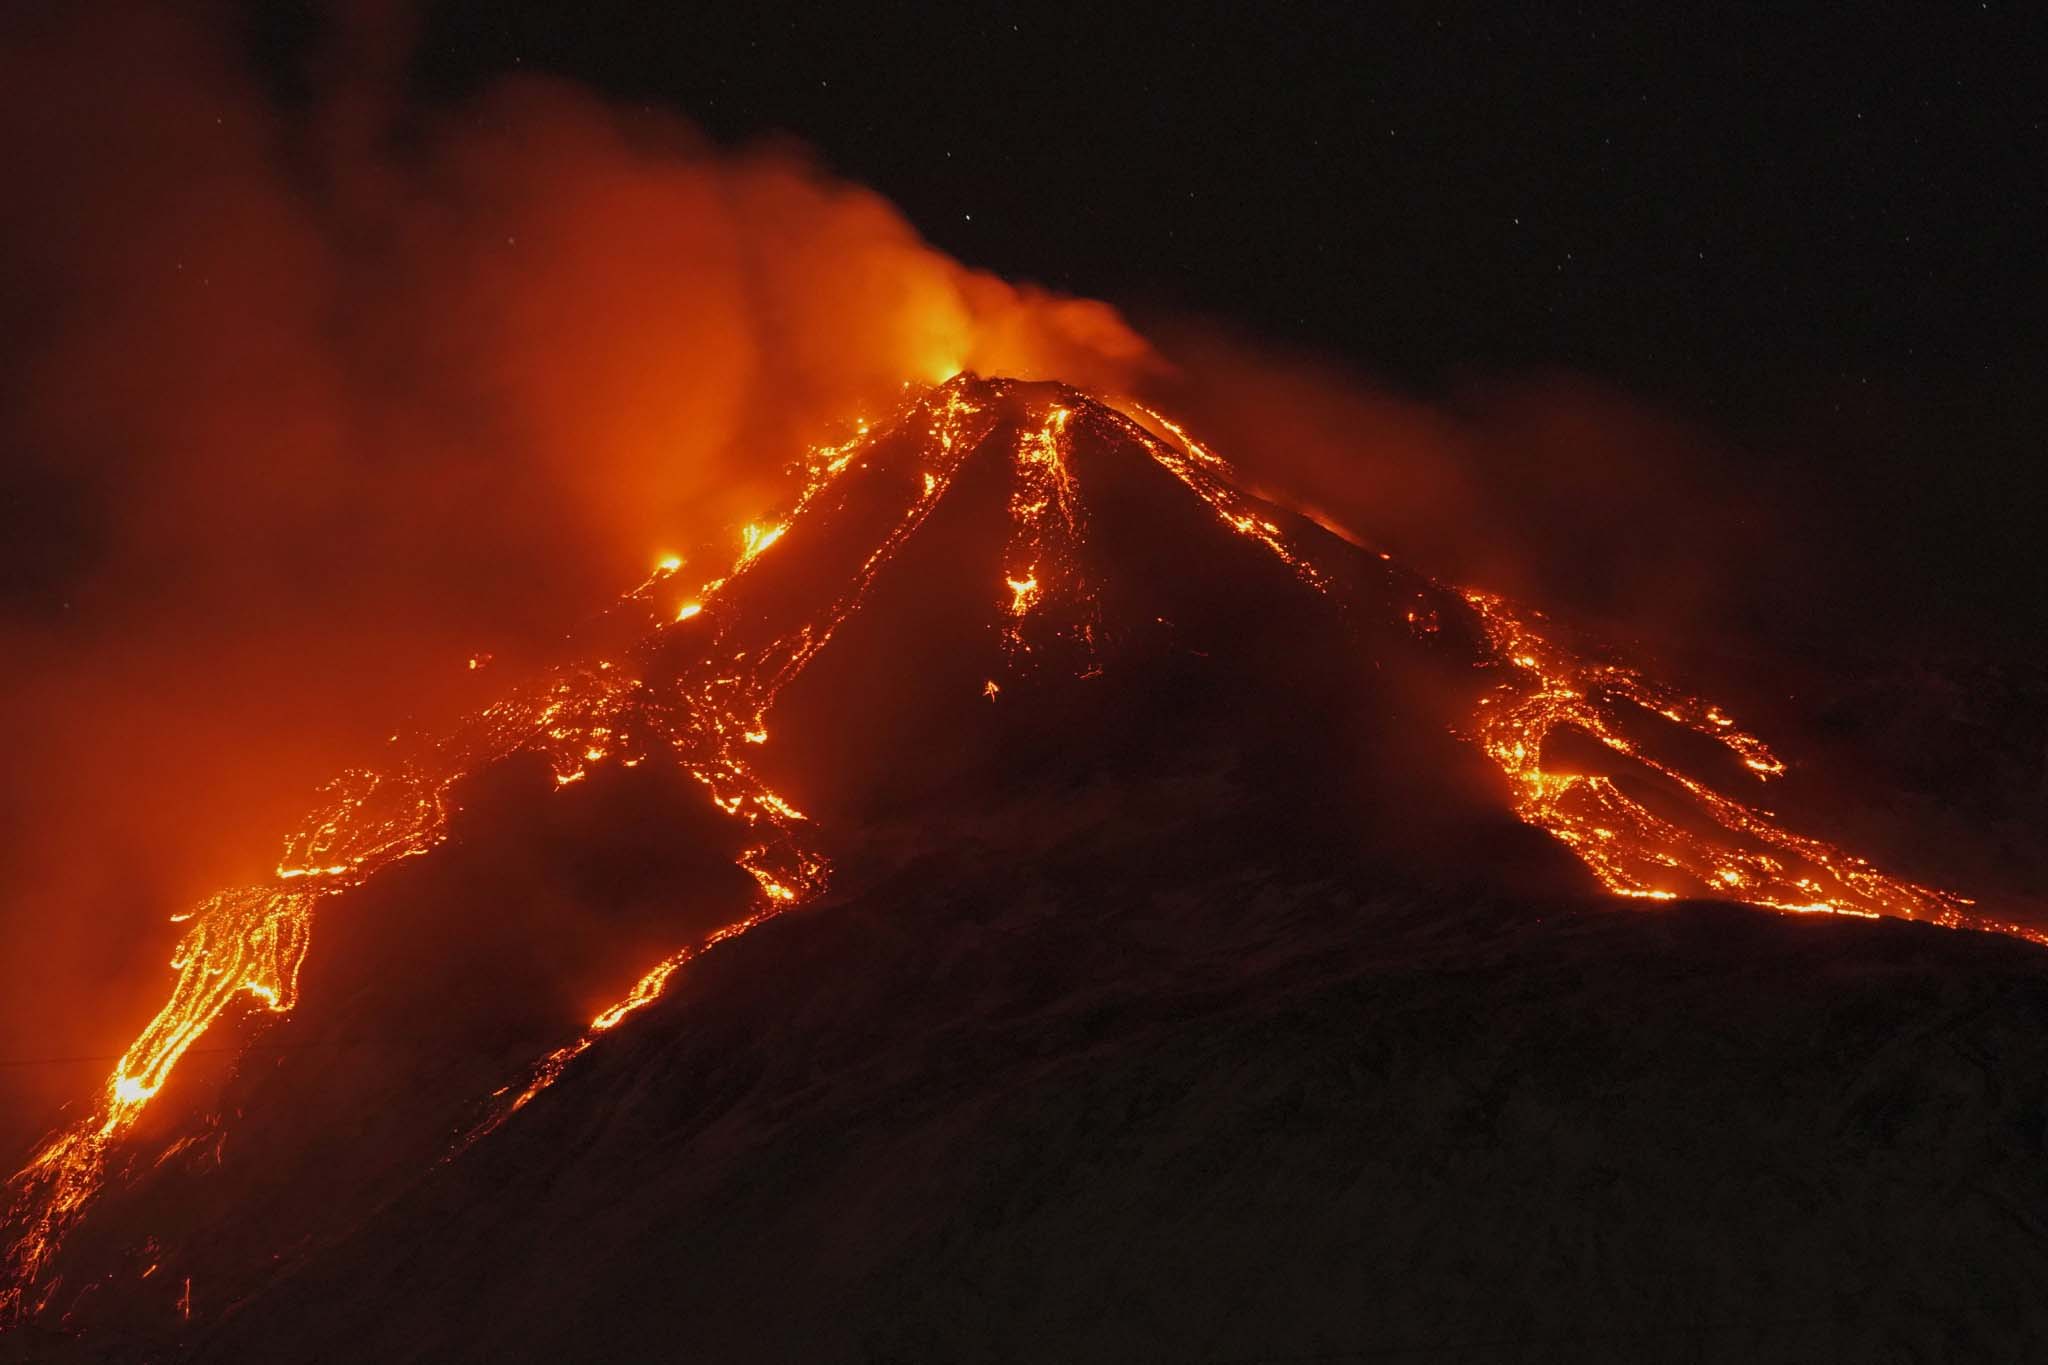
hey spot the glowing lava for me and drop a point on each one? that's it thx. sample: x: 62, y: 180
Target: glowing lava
x: 731, y: 707
x: 1657, y: 840
x: 1209, y: 477
x: 251, y: 942
x: 1646, y: 828
x: 1686, y: 839
x: 1042, y: 564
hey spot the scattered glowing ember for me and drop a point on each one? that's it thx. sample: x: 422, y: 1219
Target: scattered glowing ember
x: 1022, y: 591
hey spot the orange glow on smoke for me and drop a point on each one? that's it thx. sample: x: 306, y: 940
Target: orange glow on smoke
x: 254, y: 374
x: 251, y: 941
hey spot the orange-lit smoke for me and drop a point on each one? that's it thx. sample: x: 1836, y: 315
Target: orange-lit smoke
x: 322, y: 415
x: 1548, y: 485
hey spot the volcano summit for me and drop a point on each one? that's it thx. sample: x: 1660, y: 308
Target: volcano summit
x: 1208, y: 948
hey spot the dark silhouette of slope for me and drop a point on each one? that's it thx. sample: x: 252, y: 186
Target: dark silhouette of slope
x: 1073, y: 1087
x: 1191, y: 995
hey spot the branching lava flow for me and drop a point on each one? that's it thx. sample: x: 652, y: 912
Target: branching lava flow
x: 1646, y: 826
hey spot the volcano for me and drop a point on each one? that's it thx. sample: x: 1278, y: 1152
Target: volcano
x: 1040, y: 898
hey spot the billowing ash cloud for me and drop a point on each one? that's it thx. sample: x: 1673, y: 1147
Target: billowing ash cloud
x: 303, y: 404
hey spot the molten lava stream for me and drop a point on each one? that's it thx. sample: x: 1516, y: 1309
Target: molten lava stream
x: 1723, y: 849
x: 250, y: 942
x: 737, y: 702
x: 1042, y: 567
x: 708, y: 711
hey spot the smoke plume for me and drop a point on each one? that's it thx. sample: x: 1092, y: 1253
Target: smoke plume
x: 309, y: 399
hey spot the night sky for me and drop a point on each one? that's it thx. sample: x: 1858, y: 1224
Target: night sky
x: 344, y: 373
x: 1701, y: 201
x: 1820, y: 235
x: 1815, y: 235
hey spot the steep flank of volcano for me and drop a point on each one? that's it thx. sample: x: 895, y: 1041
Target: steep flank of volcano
x: 1035, y: 671
x: 1071, y: 1085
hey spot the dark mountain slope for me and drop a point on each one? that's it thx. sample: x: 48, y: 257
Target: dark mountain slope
x: 1090, y: 1097
x: 1185, y: 986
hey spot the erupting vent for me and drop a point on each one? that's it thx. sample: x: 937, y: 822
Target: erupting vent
x: 699, y: 692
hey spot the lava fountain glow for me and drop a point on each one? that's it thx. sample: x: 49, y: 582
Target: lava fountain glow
x: 1650, y: 830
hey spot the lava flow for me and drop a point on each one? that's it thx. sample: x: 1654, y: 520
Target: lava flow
x: 251, y: 941
x: 1048, y: 527
x: 699, y: 688
x: 734, y: 704
x: 1706, y: 844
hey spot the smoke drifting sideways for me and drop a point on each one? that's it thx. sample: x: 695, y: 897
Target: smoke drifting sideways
x: 305, y: 404
x: 1550, y: 485
x: 1857, y: 574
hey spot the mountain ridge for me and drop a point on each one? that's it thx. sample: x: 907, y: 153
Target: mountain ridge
x: 1011, y: 597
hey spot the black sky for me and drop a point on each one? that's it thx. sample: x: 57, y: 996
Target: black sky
x: 1691, y: 196
x: 1816, y: 230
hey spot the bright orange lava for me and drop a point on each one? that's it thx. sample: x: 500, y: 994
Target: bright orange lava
x: 251, y: 941
x: 1042, y: 565
x: 1659, y: 840
x: 1646, y: 829
x: 1686, y: 839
